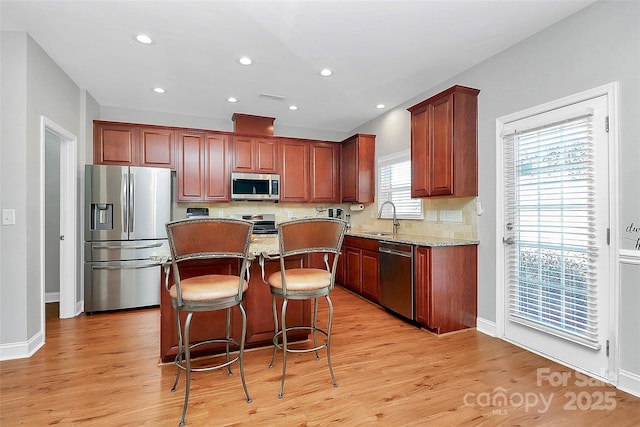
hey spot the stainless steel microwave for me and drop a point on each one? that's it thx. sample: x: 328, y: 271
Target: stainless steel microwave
x: 255, y: 186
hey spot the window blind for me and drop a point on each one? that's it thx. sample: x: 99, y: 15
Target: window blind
x: 550, y: 216
x: 394, y: 184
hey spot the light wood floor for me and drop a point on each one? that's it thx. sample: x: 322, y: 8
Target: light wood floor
x: 103, y: 370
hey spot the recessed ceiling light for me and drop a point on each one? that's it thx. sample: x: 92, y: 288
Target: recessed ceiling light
x: 232, y: 99
x: 326, y: 72
x: 144, y: 39
x: 159, y: 90
x: 245, y: 60
x: 380, y: 106
x: 293, y: 107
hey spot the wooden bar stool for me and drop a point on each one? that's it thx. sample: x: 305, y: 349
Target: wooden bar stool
x: 208, y: 239
x: 296, y: 237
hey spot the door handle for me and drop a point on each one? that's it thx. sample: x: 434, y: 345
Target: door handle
x: 62, y: 237
x: 508, y: 241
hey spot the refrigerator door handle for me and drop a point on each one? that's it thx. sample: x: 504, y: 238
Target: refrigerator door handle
x: 149, y: 246
x: 125, y: 204
x: 124, y: 267
x: 132, y: 198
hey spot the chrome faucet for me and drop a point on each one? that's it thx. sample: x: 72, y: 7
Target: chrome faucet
x: 396, y: 223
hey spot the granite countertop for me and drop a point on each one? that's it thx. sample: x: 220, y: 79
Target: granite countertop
x: 411, y: 239
x: 269, y: 243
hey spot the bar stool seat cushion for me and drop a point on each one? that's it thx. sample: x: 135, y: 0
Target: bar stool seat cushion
x: 302, y: 279
x: 208, y: 288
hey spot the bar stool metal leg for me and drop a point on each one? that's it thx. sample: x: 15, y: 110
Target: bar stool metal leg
x: 180, y: 354
x: 241, y: 358
x: 284, y: 345
x: 275, y: 333
x: 330, y: 304
x: 187, y: 352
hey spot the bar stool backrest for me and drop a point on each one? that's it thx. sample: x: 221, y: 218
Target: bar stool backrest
x: 309, y: 235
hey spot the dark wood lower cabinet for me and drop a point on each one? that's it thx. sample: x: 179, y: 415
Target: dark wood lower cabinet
x: 446, y: 287
x: 257, y: 305
x: 358, y: 266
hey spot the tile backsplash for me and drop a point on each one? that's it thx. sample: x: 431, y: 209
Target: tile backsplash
x: 444, y: 217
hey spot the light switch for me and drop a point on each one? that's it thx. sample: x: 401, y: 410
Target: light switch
x: 8, y: 216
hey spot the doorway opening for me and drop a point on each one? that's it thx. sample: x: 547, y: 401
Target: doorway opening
x: 64, y: 249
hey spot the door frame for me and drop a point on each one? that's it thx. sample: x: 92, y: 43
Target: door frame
x: 68, y: 221
x: 611, y: 91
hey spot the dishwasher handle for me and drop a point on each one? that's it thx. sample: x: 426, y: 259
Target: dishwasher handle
x: 387, y: 250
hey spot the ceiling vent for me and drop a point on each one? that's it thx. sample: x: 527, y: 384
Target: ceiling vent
x: 271, y: 97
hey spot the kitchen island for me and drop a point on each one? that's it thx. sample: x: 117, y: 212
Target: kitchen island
x: 257, y: 303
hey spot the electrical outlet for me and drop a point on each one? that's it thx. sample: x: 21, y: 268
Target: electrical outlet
x: 8, y: 216
x: 432, y: 216
x: 451, y: 216
x: 289, y: 214
x: 220, y: 214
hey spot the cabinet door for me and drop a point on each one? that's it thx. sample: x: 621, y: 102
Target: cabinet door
x: 157, y: 147
x: 266, y: 156
x: 349, y: 170
x: 295, y: 171
x: 352, y: 269
x: 243, y: 154
x: 440, y: 162
x: 420, y: 182
x: 115, y: 144
x: 255, y: 154
x: 190, y: 170
x: 324, y: 164
x: 258, y: 304
x: 423, y: 286
x: 370, y: 275
x: 218, y: 180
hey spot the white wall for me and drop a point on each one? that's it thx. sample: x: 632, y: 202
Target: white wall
x: 32, y: 86
x: 596, y: 46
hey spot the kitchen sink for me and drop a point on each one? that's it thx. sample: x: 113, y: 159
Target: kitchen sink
x: 377, y: 233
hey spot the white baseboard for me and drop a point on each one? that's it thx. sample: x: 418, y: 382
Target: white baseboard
x: 629, y: 382
x: 486, y: 326
x: 51, y: 297
x: 21, y: 350
x: 79, y: 307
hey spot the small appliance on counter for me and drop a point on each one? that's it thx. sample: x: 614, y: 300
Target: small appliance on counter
x: 335, y: 213
x: 197, y: 212
x: 262, y: 223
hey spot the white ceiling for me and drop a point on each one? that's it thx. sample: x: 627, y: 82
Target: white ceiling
x: 381, y: 51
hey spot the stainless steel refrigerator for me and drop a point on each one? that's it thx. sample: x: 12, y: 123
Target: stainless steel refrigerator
x: 126, y: 209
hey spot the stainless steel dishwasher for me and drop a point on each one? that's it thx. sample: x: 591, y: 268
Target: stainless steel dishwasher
x: 396, y: 278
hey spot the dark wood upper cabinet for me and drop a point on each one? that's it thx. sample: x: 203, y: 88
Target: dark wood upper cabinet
x: 115, y: 144
x: 324, y: 168
x: 252, y: 154
x: 444, y: 147
x: 309, y: 171
x: 203, y: 167
x: 218, y: 175
x: 357, y: 167
x: 294, y: 179
x: 158, y: 147
x: 133, y: 145
x: 191, y: 166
